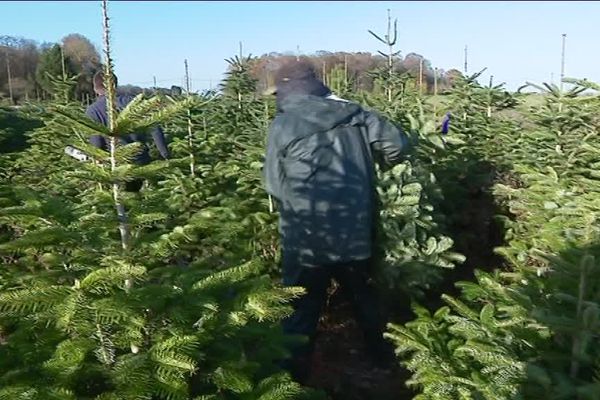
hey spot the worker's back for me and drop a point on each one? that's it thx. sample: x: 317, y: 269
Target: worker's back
x: 320, y: 168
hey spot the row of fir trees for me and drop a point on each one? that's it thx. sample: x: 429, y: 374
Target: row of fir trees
x: 173, y: 293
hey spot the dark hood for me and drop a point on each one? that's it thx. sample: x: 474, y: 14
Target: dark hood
x: 308, y: 86
x: 322, y: 113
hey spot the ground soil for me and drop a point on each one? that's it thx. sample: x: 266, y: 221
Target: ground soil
x: 341, y: 366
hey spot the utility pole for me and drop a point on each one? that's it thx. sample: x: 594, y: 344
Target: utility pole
x: 421, y: 76
x: 435, y: 91
x: 64, y: 71
x: 346, y: 70
x: 241, y: 51
x: 187, y: 77
x: 189, y: 121
x: 562, y: 61
x: 297, y: 52
x: 10, y: 90
x: 435, y: 81
x: 466, y: 58
x: 62, y: 60
x: 489, y: 106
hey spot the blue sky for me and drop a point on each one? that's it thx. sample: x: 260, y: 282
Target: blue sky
x: 517, y: 41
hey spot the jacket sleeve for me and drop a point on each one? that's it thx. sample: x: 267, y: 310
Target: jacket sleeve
x: 159, y: 140
x: 386, y: 138
x: 96, y: 140
x: 99, y: 142
x: 273, y: 173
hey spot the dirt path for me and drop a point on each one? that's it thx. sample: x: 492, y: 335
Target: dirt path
x: 341, y: 366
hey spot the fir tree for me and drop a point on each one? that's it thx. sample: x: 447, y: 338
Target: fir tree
x: 524, y: 333
x: 102, y: 312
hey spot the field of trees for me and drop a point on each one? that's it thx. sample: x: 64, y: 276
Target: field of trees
x: 487, y: 243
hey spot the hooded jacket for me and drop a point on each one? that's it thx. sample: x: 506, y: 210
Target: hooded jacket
x: 319, y: 166
x: 97, y: 112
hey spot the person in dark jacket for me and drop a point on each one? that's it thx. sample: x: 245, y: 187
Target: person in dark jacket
x: 319, y: 167
x: 97, y: 112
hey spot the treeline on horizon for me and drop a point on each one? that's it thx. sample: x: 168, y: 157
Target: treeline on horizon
x: 31, y: 65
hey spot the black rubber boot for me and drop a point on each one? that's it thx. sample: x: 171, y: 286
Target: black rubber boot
x: 298, y: 368
x: 381, y: 353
